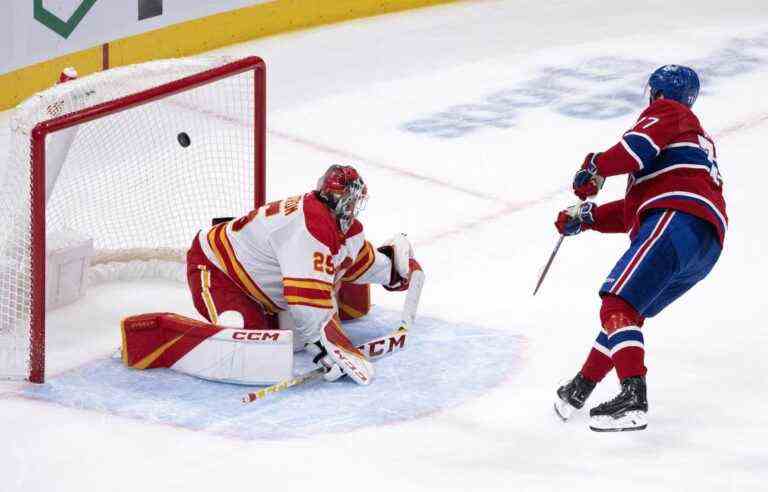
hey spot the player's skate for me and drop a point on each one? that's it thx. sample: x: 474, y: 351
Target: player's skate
x: 626, y: 412
x: 572, y: 395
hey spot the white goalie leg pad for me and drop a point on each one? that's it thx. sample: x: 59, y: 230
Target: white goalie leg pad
x: 285, y: 322
x: 204, y: 350
x: 348, y: 357
x: 231, y: 319
x: 241, y: 356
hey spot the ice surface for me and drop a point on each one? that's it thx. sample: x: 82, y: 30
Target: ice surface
x: 446, y: 365
x: 479, y: 207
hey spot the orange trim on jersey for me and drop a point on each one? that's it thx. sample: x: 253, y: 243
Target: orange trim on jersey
x: 241, y: 277
x: 350, y: 311
x: 215, y: 248
x: 304, y: 301
x: 308, y: 283
x: 308, y: 292
x: 205, y: 284
x: 361, y: 265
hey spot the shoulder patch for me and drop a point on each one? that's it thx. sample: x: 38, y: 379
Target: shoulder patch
x: 321, y: 224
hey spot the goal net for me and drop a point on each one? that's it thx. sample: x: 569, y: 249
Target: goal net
x: 131, y: 162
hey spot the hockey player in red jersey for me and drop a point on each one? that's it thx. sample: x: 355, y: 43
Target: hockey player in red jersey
x: 288, y: 263
x: 675, y: 215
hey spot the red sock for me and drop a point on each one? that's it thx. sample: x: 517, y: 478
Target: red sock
x: 596, y: 366
x: 622, y: 323
x: 630, y: 361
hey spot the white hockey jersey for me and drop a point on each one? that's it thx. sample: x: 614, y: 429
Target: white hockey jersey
x: 291, y: 255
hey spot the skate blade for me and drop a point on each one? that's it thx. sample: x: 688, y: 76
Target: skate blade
x: 630, y: 421
x: 564, y: 410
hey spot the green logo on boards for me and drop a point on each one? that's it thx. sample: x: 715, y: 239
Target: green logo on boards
x: 54, y: 23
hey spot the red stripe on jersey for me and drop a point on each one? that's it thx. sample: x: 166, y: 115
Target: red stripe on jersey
x: 308, y: 293
x: 237, y: 273
x: 309, y: 303
x: 640, y: 254
x: 362, y: 264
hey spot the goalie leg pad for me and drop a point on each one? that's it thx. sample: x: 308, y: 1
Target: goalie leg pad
x: 354, y: 300
x: 349, y: 358
x: 207, y: 351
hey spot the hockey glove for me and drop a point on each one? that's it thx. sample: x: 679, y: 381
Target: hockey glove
x: 586, y: 182
x: 322, y: 359
x: 575, y: 219
x: 400, y: 252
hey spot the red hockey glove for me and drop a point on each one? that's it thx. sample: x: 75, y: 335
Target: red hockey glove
x: 586, y: 182
x: 575, y: 219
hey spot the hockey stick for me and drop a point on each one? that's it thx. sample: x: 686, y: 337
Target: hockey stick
x: 549, y: 264
x: 551, y: 258
x: 284, y: 385
x: 373, y: 349
x: 396, y: 341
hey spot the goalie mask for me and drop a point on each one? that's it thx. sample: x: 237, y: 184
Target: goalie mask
x: 342, y: 189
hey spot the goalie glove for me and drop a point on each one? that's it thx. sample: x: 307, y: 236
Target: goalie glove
x: 400, y: 252
x: 336, y: 353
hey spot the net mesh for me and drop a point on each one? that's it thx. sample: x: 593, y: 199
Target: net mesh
x: 139, y: 182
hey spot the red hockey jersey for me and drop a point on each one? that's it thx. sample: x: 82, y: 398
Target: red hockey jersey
x: 672, y: 164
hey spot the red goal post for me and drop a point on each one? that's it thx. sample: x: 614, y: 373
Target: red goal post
x: 41, y: 132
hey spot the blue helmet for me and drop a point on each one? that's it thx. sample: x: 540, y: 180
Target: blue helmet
x: 675, y: 82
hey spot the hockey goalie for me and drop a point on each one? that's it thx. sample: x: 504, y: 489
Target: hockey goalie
x: 275, y: 281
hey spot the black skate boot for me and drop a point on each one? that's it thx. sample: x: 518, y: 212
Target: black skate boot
x: 627, y: 412
x: 572, y: 395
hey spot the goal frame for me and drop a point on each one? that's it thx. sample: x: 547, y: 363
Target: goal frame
x: 38, y: 176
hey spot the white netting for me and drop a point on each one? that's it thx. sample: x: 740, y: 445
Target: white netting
x: 125, y: 180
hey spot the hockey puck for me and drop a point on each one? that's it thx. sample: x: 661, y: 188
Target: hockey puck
x: 184, y: 139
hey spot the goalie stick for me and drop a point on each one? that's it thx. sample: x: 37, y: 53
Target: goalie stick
x: 372, y: 349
